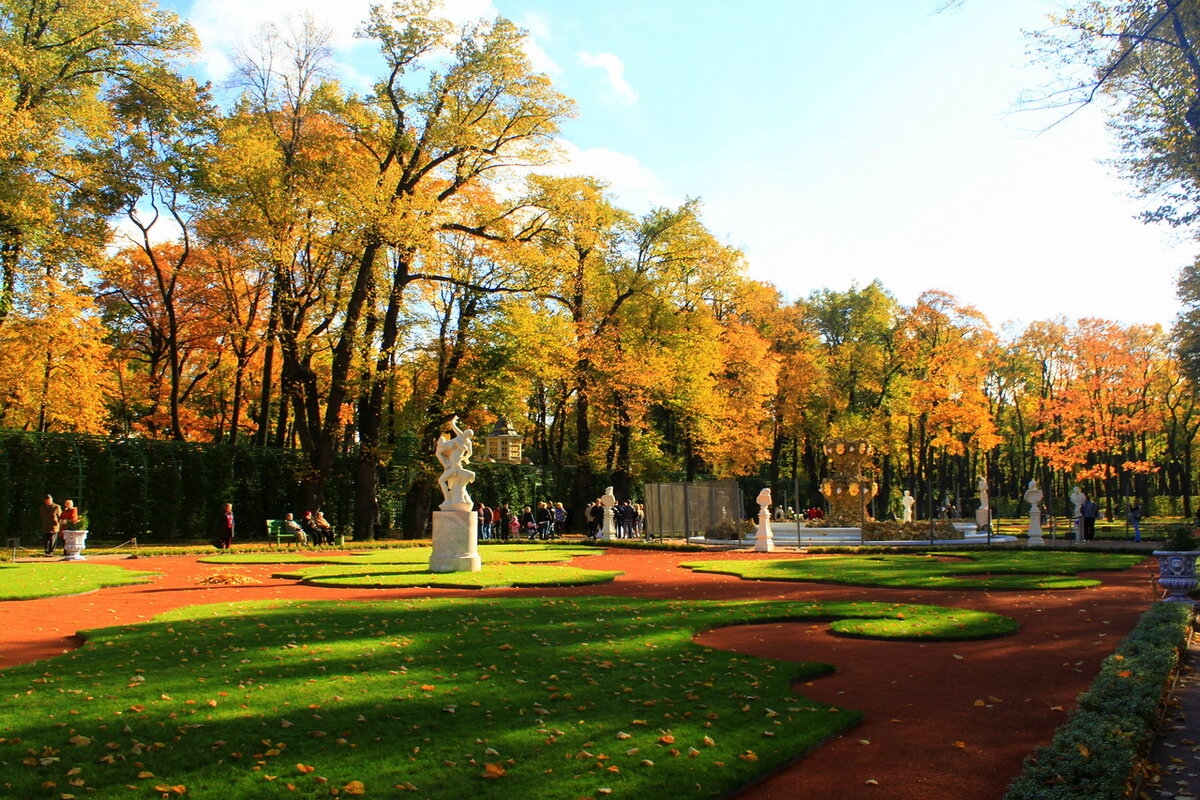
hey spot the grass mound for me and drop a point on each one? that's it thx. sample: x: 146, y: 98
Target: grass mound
x: 31, y: 581
x: 967, y: 570
x: 497, y: 698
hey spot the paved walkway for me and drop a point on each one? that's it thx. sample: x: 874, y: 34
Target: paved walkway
x: 1173, y: 766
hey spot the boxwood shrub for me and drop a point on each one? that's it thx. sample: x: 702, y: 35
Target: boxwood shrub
x: 1096, y: 751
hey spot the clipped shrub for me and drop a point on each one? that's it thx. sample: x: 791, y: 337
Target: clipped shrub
x: 728, y: 529
x: 1095, y: 753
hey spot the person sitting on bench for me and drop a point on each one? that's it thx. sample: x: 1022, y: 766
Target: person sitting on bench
x: 324, y: 529
x: 294, y: 528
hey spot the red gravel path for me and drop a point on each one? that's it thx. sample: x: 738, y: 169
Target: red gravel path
x: 924, y: 736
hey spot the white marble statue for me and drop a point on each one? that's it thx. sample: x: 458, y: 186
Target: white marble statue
x: 608, y: 530
x: 455, y: 524
x: 907, y: 502
x: 764, y: 539
x: 983, y: 514
x: 1033, y: 496
x: 452, y: 453
x: 1077, y: 498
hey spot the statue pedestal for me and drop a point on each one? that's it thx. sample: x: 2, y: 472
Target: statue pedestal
x: 1035, y: 528
x: 455, y: 541
x: 608, y: 530
x: 983, y: 518
x: 764, y: 541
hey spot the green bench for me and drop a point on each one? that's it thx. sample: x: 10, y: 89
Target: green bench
x: 277, y: 534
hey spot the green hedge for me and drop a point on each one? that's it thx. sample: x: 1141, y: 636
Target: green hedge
x: 156, y: 490
x: 1095, y: 753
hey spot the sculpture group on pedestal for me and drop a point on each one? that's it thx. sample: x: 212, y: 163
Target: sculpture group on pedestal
x: 455, y: 525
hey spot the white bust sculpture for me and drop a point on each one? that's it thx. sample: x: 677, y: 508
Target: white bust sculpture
x: 983, y: 493
x: 452, y: 453
x: 908, y: 501
x: 608, y: 500
x: 764, y: 499
x: 1077, y: 497
x: 1033, y: 496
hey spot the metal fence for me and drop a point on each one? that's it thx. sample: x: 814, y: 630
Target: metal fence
x: 690, y: 509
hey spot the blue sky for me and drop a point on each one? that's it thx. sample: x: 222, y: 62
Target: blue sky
x: 833, y: 146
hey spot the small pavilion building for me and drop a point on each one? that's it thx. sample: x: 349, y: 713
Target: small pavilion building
x: 504, y: 443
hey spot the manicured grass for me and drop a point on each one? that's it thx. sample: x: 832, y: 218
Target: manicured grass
x: 983, y: 570
x: 498, y: 698
x: 30, y: 581
x: 513, y: 554
x: 390, y: 576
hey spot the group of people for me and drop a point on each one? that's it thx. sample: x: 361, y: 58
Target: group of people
x: 628, y: 519
x: 56, y: 519
x: 313, y: 528
x: 547, y: 521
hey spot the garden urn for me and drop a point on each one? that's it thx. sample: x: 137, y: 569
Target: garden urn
x: 73, y: 544
x: 1177, y: 573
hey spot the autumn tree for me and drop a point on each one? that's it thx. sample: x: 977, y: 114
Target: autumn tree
x: 60, y: 60
x: 943, y: 347
x: 1103, y: 407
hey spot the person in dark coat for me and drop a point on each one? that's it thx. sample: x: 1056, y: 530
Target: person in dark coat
x: 225, y: 526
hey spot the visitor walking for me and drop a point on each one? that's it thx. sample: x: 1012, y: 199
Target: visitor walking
x: 50, y: 512
x: 1089, y: 511
x: 225, y: 527
x: 1134, y: 518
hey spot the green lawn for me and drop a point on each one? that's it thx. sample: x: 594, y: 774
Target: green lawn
x: 391, y: 576
x: 512, y: 554
x: 496, y: 698
x: 987, y: 570
x: 28, y: 581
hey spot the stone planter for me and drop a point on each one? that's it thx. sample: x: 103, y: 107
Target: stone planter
x: 73, y: 544
x: 1177, y: 573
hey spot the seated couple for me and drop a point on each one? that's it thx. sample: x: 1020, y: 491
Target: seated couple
x: 313, y: 527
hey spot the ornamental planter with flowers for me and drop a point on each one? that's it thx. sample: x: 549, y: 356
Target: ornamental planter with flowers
x: 1177, y: 566
x: 75, y: 540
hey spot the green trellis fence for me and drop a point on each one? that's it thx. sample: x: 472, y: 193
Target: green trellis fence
x: 159, y: 491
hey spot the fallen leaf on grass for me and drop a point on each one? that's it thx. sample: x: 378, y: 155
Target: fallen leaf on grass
x: 354, y: 787
x: 491, y: 770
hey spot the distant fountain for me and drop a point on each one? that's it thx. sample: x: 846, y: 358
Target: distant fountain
x: 847, y: 492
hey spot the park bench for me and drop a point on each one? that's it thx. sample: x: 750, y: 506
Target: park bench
x: 277, y: 534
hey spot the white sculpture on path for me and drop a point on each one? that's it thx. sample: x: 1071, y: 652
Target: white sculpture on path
x: 983, y: 514
x: 1033, y: 496
x: 908, y: 501
x: 453, y: 452
x: 455, y: 524
x: 1077, y: 497
x: 764, y: 539
x: 608, y: 530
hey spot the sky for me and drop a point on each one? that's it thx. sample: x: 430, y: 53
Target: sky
x: 834, y: 144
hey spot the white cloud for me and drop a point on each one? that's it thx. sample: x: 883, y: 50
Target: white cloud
x: 634, y: 185
x: 615, y: 69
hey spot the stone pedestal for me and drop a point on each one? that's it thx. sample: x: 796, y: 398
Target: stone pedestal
x: 983, y: 518
x: 764, y: 538
x: 455, y: 541
x: 608, y: 529
x: 1035, y: 528
x: 74, y: 543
